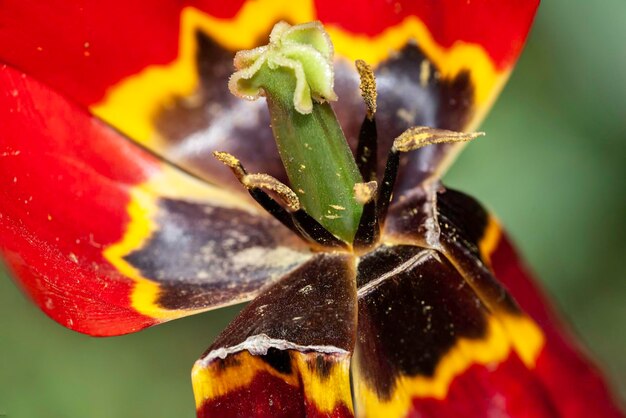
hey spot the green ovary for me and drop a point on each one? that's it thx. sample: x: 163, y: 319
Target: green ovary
x: 295, y: 73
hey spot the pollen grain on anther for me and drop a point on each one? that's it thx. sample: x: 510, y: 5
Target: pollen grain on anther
x: 367, y: 87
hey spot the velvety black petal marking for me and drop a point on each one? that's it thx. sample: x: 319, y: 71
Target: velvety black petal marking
x: 412, y: 315
x: 288, y: 353
x: 411, y: 89
x: 202, y: 255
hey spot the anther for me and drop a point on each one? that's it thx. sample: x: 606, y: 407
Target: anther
x: 294, y: 217
x: 365, y: 193
x: 231, y: 162
x: 259, y: 181
x: 420, y: 136
x: 267, y: 182
x: 367, y: 87
x: 367, y: 148
x: 411, y: 140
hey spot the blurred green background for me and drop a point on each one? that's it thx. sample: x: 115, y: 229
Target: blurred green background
x: 552, y: 167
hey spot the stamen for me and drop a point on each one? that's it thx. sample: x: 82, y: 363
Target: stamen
x: 262, y: 198
x: 419, y: 136
x: 259, y: 181
x: 386, y: 188
x: 367, y: 87
x: 411, y: 140
x: 369, y: 230
x: 265, y: 181
x: 295, y: 218
x: 231, y: 162
x: 367, y: 149
x: 315, y: 232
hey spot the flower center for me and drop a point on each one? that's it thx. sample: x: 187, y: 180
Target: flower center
x: 334, y: 200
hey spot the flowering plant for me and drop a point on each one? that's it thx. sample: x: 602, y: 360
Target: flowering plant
x: 109, y: 239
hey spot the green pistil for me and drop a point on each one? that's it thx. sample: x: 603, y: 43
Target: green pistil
x: 295, y: 73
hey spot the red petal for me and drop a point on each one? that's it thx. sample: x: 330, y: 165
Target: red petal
x: 288, y: 353
x: 577, y: 386
x: 500, y: 27
x: 160, y: 74
x: 520, y: 366
x: 103, y: 235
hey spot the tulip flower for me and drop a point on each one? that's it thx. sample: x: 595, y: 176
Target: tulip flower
x: 375, y: 291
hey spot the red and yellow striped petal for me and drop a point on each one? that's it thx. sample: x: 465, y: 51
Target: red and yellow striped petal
x: 106, y: 238
x: 286, y: 385
x: 577, y: 387
x: 288, y: 353
x: 429, y: 346
x: 160, y: 75
x: 513, y: 364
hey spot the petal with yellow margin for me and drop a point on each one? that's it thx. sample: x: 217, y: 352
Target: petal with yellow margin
x: 106, y: 238
x: 542, y: 358
x: 160, y: 76
x: 288, y: 353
